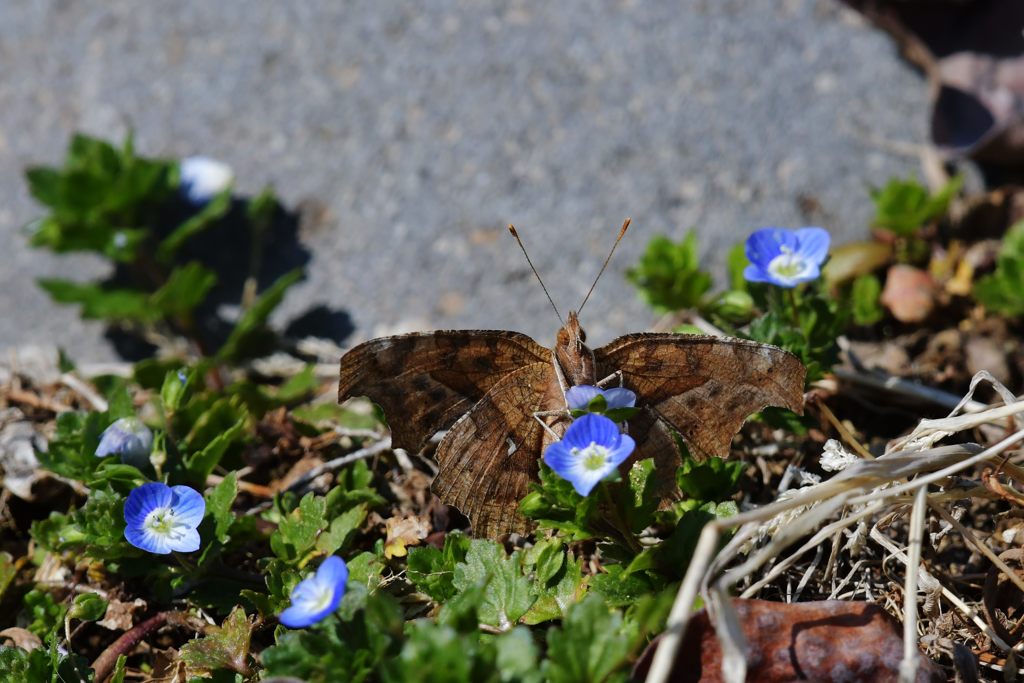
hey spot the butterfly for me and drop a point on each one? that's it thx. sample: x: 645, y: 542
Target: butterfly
x: 485, y: 387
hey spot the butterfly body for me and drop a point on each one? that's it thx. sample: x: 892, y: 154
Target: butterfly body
x: 484, y: 387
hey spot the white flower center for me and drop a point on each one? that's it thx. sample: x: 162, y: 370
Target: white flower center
x: 163, y: 521
x: 787, y: 266
x: 594, y: 457
x: 317, y: 596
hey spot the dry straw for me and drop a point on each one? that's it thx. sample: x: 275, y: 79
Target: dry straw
x: 915, y: 475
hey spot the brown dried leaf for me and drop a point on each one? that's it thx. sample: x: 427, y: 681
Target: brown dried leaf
x: 21, y: 637
x: 120, y: 616
x: 816, y: 641
x: 404, y: 532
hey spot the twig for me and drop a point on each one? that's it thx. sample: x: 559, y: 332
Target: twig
x: 29, y: 399
x: 104, y: 664
x: 902, y: 387
x: 337, y: 463
x: 83, y: 390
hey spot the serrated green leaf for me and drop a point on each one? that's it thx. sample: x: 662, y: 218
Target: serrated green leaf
x: 99, y: 303
x: 297, y: 533
x: 432, y: 571
x: 218, y: 506
x: 223, y: 647
x: 342, y: 530
x: 557, y: 592
x: 508, y: 595
x: 669, y: 276
x: 590, y: 645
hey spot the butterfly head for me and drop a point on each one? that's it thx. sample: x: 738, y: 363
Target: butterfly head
x: 575, y: 358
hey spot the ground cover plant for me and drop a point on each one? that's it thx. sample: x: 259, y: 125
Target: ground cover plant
x: 209, y: 512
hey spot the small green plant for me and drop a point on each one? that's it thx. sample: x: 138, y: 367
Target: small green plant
x: 905, y: 206
x: 1003, y: 290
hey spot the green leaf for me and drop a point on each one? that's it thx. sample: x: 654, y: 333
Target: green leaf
x: 618, y: 587
x: 556, y: 590
x: 88, y: 607
x: 99, y: 303
x: 254, y: 319
x: 214, y: 210
x: 297, y: 533
x: 669, y: 276
x: 432, y: 571
x: 864, y: 298
x: 348, y: 648
x: 185, y: 289
x: 713, y: 479
x: 736, y: 262
x: 508, y: 594
x: 96, y: 530
x: 904, y: 206
x: 1003, y: 290
x: 223, y: 647
x: 554, y: 504
x: 342, y: 531
x: 8, y: 570
x: 589, y: 646
x: 218, y: 506
x: 201, y: 464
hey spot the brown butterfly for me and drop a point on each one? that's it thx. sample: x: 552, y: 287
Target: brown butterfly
x: 486, y: 386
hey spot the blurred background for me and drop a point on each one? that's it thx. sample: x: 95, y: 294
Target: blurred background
x: 402, y: 137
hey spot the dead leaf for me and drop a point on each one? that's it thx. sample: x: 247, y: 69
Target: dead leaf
x: 120, y: 616
x: 849, y: 261
x: 403, y: 533
x: 909, y: 293
x: 21, y: 637
x: 831, y: 640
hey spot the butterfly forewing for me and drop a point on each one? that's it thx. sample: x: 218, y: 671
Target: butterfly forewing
x: 704, y: 387
x: 425, y: 381
x: 488, y: 458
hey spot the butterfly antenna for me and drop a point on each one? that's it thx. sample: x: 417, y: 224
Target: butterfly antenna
x: 622, y: 232
x: 512, y: 229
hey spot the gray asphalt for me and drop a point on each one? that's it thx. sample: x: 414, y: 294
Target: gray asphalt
x: 412, y: 132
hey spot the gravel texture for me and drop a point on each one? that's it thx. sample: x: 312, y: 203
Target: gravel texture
x: 410, y: 133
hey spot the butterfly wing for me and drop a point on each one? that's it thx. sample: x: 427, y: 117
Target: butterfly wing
x: 488, y: 458
x: 704, y: 387
x: 425, y: 381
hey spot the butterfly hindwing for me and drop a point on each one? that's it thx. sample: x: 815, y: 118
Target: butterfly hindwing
x: 488, y: 458
x: 425, y: 381
x: 704, y: 387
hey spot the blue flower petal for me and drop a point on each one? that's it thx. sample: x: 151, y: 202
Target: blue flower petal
x: 590, y: 429
x: 814, y: 243
x: 189, y: 506
x: 187, y: 542
x: 143, y: 539
x: 144, y: 499
x: 754, y: 273
x: 620, y: 397
x: 334, y: 571
x: 308, y: 604
x: 580, y: 396
x: 765, y: 244
x: 619, y: 455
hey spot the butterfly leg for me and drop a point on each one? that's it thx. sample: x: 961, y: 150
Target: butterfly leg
x: 617, y: 375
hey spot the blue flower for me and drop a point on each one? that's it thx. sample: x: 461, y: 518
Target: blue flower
x: 580, y: 396
x: 162, y: 518
x: 129, y: 438
x: 590, y: 450
x: 786, y: 258
x: 202, y: 178
x: 316, y: 597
